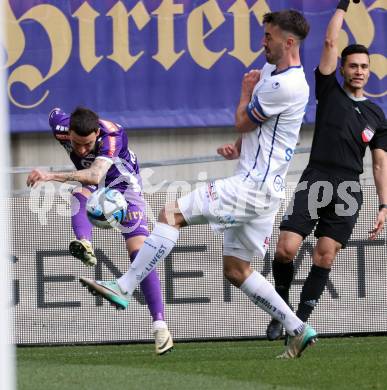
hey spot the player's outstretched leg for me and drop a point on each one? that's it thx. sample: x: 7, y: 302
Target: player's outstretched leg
x: 163, y: 339
x: 83, y: 250
x: 297, y: 344
x: 110, y: 290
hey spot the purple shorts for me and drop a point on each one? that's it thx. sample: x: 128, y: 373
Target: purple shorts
x: 135, y: 222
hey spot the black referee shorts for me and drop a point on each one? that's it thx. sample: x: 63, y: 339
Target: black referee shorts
x: 331, y: 204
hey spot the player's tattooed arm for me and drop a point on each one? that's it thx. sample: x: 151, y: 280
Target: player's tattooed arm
x: 91, y: 176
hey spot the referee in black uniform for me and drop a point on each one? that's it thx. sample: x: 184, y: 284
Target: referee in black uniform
x: 328, y: 195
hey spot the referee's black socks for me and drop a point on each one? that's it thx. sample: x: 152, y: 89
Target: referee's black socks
x: 283, y: 276
x: 312, y: 290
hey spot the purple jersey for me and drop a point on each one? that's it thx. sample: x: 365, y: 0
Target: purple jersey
x: 111, y: 145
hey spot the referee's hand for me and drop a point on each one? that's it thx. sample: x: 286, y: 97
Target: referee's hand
x: 379, y: 224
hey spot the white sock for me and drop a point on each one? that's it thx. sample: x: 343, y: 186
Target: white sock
x: 263, y: 294
x: 159, y: 324
x: 156, y: 248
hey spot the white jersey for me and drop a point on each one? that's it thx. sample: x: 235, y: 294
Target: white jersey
x: 277, y: 106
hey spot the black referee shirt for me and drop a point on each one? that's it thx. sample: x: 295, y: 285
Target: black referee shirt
x: 344, y: 129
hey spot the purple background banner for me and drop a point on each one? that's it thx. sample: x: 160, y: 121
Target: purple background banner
x: 160, y: 63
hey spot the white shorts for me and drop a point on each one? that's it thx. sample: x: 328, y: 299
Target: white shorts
x: 236, y: 207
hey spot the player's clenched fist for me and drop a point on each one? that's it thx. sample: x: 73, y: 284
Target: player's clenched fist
x: 249, y: 81
x: 228, y: 151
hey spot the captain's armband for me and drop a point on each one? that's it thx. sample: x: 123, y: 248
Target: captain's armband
x: 255, y: 112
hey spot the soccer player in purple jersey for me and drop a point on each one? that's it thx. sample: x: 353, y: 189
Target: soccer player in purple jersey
x: 99, y: 150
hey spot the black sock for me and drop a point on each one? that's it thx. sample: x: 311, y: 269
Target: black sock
x: 311, y: 291
x: 283, y: 276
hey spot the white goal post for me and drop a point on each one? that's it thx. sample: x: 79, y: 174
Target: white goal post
x: 7, y: 372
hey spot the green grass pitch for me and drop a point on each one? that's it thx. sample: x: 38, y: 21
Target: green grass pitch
x: 339, y: 363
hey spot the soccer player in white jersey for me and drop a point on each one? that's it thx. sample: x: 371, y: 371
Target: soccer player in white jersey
x: 243, y: 206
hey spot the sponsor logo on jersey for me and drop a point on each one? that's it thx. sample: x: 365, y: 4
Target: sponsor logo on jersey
x: 212, y: 191
x: 134, y: 215
x: 276, y: 85
x: 288, y: 154
x: 88, y: 160
x: 367, y: 134
x: 279, y: 183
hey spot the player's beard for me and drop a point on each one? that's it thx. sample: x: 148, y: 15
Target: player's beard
x: 272, y: 56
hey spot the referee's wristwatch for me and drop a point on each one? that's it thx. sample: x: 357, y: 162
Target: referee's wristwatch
x: 382, y: 206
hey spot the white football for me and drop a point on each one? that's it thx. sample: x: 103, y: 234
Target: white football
x: 106, y: 208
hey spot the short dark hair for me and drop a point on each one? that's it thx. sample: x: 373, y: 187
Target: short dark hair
x: 353, y: 49
x: 84, y: 121
x: 289, y: 20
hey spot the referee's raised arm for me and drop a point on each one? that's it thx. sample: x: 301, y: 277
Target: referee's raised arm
x: 328, y: 60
